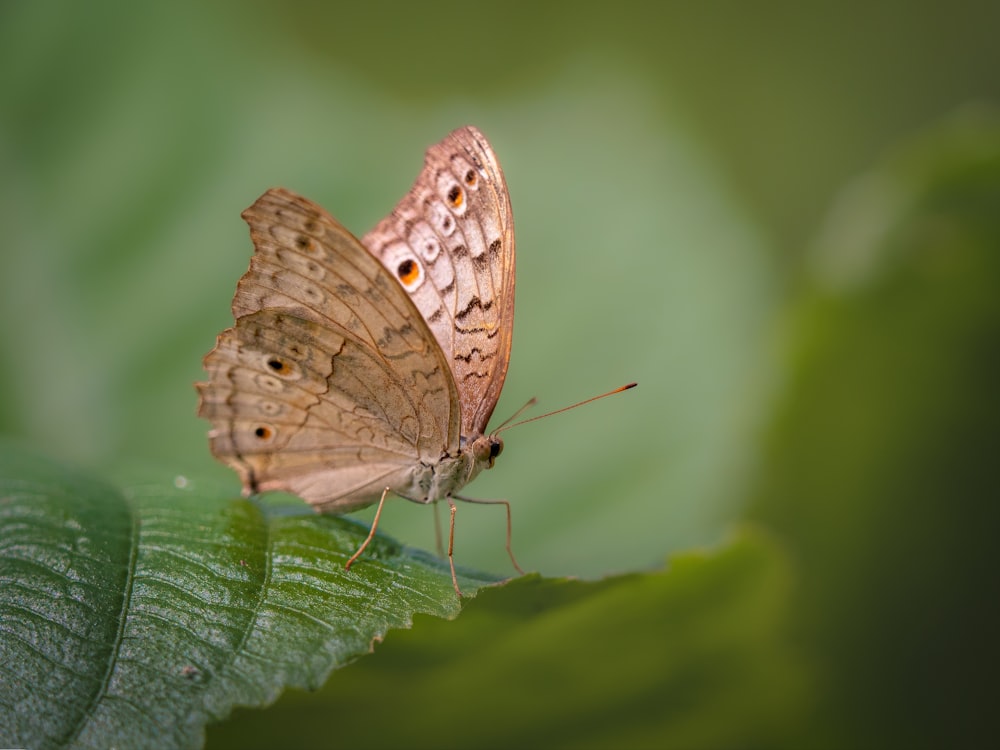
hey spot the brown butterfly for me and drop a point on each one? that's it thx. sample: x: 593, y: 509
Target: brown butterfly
x: 356, y: 369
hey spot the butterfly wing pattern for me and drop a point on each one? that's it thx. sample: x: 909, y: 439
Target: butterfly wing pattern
x: 450, y: 242
x: 329, y: 385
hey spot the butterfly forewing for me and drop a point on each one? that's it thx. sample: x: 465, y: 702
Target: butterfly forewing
x: 330, y: 384
x: 450, y: 243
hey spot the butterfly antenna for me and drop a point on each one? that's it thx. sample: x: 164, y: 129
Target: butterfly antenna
x: 506, y: 426
x: 531, y: 402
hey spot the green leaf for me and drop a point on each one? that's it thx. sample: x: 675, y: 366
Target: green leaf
x: 693, y: 656
x: 133, y: 616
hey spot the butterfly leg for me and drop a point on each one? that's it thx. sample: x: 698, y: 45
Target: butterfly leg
x: 507, y: 506
x: 371, y: 534
x: 437, y: 531
x: 451, y: 547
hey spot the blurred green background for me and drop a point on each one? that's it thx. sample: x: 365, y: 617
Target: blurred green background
x: 705, y: 199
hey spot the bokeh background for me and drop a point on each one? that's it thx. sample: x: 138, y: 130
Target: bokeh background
x: 698, y: 191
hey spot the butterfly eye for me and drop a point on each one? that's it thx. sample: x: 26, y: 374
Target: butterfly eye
x: 455, y: 196
x: 487, y: 448
x: 496, y: 448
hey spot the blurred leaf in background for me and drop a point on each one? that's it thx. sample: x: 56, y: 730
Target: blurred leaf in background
x: 881, y: 467
x: 670, y: 167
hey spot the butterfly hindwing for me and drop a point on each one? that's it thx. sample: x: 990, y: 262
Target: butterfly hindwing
x: 450, y: 243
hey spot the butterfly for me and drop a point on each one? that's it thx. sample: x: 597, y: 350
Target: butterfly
x: 356, y: 369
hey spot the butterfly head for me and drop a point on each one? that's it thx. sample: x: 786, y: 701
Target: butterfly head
x: 486, y: 448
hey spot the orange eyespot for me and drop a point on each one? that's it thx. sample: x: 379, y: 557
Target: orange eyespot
x: 264, y: 433
x: 278, y: 366
x: 455, y: 196
x: 408, y: 271
x: 470, y: 178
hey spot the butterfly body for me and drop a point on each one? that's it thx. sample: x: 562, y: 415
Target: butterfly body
x: 430, y: 482
x: 356, y: 366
